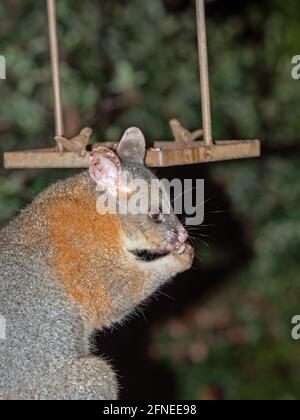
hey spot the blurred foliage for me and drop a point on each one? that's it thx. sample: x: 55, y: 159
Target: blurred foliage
x: 135, y: 63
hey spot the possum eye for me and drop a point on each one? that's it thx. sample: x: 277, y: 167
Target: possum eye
x: 157, y: 217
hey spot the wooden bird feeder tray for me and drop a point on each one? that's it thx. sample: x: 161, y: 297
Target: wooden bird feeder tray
x: 162, y: 153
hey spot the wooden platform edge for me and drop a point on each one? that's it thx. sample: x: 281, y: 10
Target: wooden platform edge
x: 170, y: 155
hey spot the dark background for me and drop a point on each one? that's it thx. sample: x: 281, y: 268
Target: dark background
x: 222, y: 330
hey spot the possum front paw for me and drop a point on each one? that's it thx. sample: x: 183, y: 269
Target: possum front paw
x: 184, y: 254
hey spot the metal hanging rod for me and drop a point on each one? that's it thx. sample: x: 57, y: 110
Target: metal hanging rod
x: 204, y: 73
x: 54, y: 55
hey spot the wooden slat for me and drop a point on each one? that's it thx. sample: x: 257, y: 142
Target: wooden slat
x: 220, y: 151
x: 161, y: 155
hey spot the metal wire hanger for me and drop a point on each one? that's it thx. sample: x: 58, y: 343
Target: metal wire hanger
x: 186, y: 149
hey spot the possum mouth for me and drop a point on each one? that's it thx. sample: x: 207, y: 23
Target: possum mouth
x: 149, y: 256
x: 146, y: 255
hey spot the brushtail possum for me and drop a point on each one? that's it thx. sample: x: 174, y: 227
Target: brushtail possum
x: 67, y: 270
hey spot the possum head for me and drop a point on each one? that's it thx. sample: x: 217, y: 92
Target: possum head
x: 150, y: 227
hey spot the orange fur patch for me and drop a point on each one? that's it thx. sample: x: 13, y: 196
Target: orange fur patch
x: 84, y: 245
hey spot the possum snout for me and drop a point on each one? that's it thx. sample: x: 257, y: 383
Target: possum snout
x: 177, y: 238
x: 182, y: 235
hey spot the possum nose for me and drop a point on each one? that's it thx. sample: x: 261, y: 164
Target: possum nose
x: 182, y: 236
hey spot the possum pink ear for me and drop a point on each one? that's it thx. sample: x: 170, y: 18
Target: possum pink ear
x: 132, y: 147
x: 105, y: 169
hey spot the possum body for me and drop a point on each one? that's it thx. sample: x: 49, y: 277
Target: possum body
x: 66, y: 271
